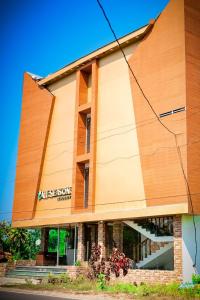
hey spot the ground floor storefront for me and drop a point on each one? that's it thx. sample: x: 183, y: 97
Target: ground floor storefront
x: 153, y: 245
x: 160, y: 249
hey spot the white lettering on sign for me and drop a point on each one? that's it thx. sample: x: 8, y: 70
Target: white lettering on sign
x: 67, y: 192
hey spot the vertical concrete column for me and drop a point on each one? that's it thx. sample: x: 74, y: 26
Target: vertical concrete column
x: 177, y: 229
x: 102, y: 237
x: 118, y: 235
x: 41, y: 259
x: 81, y: 239
x: 43, y: 238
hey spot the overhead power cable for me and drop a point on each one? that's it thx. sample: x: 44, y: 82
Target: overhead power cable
x: 157, y: 117
x: 104, y: 163
x: 103, y: 138
x: 142, y: 123
x: 99, y: 204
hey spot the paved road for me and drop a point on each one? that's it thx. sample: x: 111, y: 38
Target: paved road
x: 21, y: 296
x: 52, y: 295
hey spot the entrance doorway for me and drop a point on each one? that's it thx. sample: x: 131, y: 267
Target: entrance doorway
x: 61, y: 247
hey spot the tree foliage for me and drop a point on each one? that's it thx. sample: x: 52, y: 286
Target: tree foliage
x: 20, y: 242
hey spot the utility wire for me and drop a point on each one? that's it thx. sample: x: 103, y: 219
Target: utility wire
x: 133, y: 74
x: 100, y: 204
x: 150, y: 120
x: 102, y: 138
x: 191, y: 204
x: 108, y: 162
x: 154, y: 112
x: 115, y: 159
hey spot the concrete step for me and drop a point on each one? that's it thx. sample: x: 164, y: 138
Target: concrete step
x: 41, y: 268
x: 36, y: 272
x: 32, y: 272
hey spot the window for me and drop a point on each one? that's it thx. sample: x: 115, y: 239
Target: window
x: 86, y: 185
x: 88, y: 125
x: 171, y: 112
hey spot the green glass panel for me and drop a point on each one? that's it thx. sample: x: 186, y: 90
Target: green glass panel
x: 53, y: 240
x: 62, y: 246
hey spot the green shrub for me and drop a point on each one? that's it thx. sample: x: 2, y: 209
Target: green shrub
x: 101, y: 281
x: 188, y: 292
x: 78, y: 263
x: 196, y: 278
x: 64, y: 278
x: 58, y: 279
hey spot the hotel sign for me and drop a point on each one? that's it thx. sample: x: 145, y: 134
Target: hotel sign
x: 61, y: 194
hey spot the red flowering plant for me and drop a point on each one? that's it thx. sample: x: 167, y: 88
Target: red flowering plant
x: 98, y: 264
x: 118, y: 261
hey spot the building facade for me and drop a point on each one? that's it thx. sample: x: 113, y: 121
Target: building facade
x: 95, y: 164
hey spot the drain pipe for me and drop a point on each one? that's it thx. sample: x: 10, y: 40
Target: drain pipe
x: 75, y: 244
x: 58, y: 246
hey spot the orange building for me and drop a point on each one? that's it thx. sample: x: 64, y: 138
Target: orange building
x: 95, y: 164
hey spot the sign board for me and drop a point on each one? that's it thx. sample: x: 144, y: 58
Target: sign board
x: 61, y: 194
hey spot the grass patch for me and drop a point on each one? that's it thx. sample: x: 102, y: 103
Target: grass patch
x: 82, y: 285
x: 122, y: 288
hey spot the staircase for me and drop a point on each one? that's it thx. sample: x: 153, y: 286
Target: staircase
x: 156, y: 246
x: 35, y: 272
x: 148, y: 254
x: 147, y: 230
x: 160, y: 226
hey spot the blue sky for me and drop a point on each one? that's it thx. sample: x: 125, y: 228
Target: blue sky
x: 42, y: 36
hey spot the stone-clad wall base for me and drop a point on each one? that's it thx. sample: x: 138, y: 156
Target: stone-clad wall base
x: 13, y: 264
x: 20, y: 263
x: 118, y: 235
x: 102, y: 237
x: 25, y: 263
x: 148, y: 276
x: 81, y: 241
x: 133, y: 276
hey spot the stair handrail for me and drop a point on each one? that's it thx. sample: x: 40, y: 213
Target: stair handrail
x: 142, y: 250
x: 158, y: 224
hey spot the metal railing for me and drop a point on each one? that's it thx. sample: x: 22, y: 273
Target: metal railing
x: 142, y: 250
x: 160, y: 226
